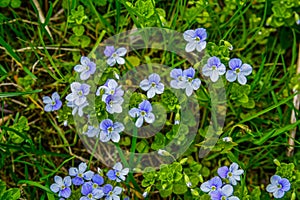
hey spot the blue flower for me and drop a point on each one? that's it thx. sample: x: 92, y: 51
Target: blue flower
x: 214, y: 68
x: 115, y: 56
x: 278, y: 186
x: 238, y: 71
x: 152, y: 85
x: 196, y: 39
x: 79, y: 92
x: 90, y: 193
x: 53, y: 103
x: 143, y: 113
x: 110, y: 130
x: 212, y: 185
x: 224, y: 193
x: 179, y: 79
x: 191, y: 83
x: 111, y: 193
x: 77, y: 108
x: 114, y: 104
x: 233, y: 173
x: 92, y: 131
x: 111, y: 88
x: 117, y: 173
x: 62, y: 186
x: 87, y: 68
x: 80, y: 174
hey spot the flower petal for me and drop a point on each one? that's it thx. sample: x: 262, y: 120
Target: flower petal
x: 67, y: 181
x: 115, y: 137
x: 154, y: 78
x: 175, y: 73
x: 118, y: 127
x: 189, y: 35
x: 206, y: 70
x: 189, y: 90
x: 117, y: 190
x: 145, y: 85
x: 134, y: 112
x: 139, y: 122
x: 271, y: 188
x: 65, y: 193
x: 149, y: 118
x: 54, y: 187
x: 246, y: 69
x: 82, y: 167
x: 88, y: 175
x: 230, y: 76
x: 191, y: 46
x: 286, y: 185
x: 242, y: 79
x: 85, y: 75
x: 79, y: 68
x: 151, y: 93
x: 200, y: 46
x: 196, y: 83
x: 121, y: 51
x: 55, y: 96
x: 278, y: 194
x: 214, y: 76
x: 111, y: 61
x: 274, y: 179
x: 227, y: 190
x: 120, y: 61
x: 47, y: 100
x: 205, y: 187
x: 235, y: 63
x: 223, y: 171
x: 104, y: 137
x: 48, y: 108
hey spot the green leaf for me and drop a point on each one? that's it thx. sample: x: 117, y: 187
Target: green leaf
x: 142, y: 146
x: 11, y: 194
x: 159, y: 141
x: 250, y: 104
x: 2, y: 187
x: 179, y: 188
x: 85, y: 41
x: 15, y: 3
x: 13, y: 94
x: 165, y: 192
x: 78, y: 30
x: 4, y: 3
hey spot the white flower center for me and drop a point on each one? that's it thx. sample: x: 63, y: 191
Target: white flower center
x: 213, y: 188
x: 80, y: 175
x: 114, y: 55
x: 229, y: 174
x: 90, y: 195
x: 143, y: 113
x: 197, y: 39
x: 238, y: 70
x: 63, y: 187
x: 53, y: 103
x: 223, y: 198
x: 279, y: 186
x: 110, y: 129
x: 214, y: 67
x: 95, y: 185
x: 153, y: 84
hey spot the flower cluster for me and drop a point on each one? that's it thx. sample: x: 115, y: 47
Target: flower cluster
x: 218, y: 189
x: 91, y: 183
x: 278, y: 186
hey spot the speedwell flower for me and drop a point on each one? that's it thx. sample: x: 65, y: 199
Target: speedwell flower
x: 112, y: 193
x: 53, y: 103
x: 111, y: 87
x: 191, y: 83
x: 214, y: 68
x: 233, y: 173
x: 87, y: 68
x: 238, y: 71
x: 92, y: 131
x: 224, y: 193
x: 196, y: 39
x: 278, y: 186
x: 179, y: 79
x: 212, y: 185
x: 76, y: 108
x: 152, y: 85
x: 79, y: 92
x: 142, y: 113
x: 117, y: 173
x: 110, y: 130
x: 80, y: 174
x: 114, y: 56
x: 62, y: 187
x: 90, y: 193
x: 114, y: 104
x: 97, y: 181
